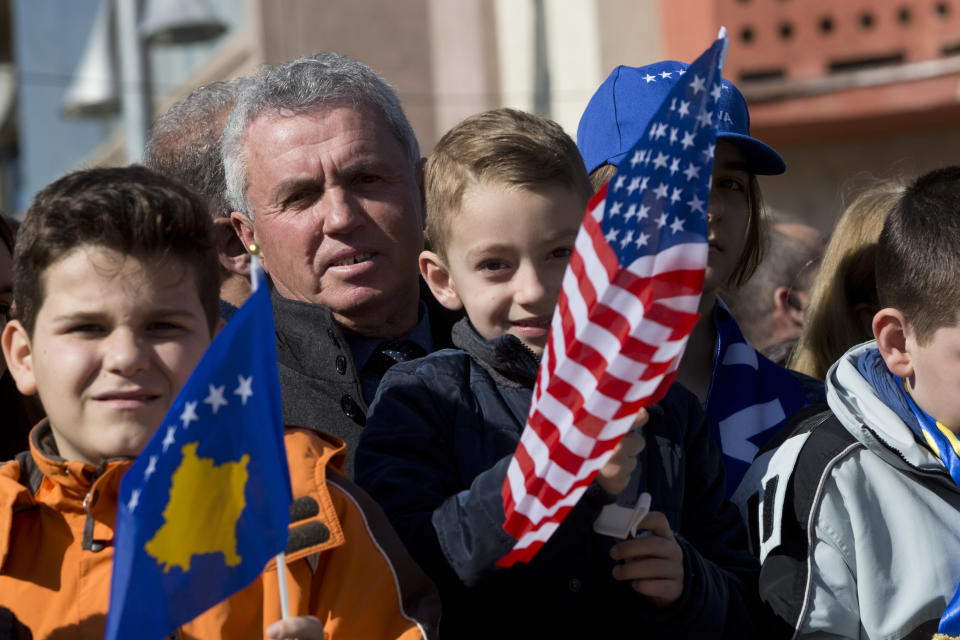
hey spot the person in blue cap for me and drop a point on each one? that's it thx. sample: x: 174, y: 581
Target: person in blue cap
x: 747, y: 398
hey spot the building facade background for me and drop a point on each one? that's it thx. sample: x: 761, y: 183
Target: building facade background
x: 847, y: 92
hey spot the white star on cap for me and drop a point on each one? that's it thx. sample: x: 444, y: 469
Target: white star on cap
x: 677, y: 225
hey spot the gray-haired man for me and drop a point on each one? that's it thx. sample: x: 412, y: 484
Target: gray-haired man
x: 324, y: 173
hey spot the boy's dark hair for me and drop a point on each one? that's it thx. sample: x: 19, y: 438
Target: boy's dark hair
x: 504, y: 146
x: 918, y: 254
x: 131, y: 210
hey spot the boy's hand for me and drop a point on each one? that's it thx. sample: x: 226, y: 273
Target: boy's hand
x: 296, y: 628
x: 653, y: 562
x: 615, y: 474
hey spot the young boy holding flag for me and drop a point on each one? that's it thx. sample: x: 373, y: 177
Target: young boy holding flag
x: 505, y: 197
x: 116, y: 289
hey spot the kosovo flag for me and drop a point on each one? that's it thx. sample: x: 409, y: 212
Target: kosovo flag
x: 207, y: 503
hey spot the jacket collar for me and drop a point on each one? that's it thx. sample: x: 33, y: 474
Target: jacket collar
x: 868, y: 418
x: 71, y: 477
x: 506, y: 359
x: 43, y: 477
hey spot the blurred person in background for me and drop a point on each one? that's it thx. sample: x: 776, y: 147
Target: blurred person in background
x: 770, y: 306
x: 184, y: 145
x: 18, y: 413
x: 844, y: 295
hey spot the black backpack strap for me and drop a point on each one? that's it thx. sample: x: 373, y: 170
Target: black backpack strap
x: 747, y: 495
x: 787, y: 508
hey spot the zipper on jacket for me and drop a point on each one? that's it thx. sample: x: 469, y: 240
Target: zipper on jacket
x: 942, y: 474
x: 88, y: 543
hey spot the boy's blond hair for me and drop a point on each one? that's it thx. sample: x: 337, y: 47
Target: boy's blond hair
x: 505, y: 146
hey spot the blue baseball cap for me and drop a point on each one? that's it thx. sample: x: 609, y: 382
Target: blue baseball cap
x: 620, y: 110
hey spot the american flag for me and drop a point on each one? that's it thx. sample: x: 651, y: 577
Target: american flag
x: 627, y: 305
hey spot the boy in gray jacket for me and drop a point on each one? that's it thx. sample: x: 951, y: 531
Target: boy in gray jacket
x: 859, y: 517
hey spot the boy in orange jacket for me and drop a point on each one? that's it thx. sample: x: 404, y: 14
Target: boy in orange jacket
x: 116, y: 291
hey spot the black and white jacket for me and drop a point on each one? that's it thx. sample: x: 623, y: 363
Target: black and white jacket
x: 858, y: 523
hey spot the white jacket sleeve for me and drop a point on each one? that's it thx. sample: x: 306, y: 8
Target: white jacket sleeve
x: 833, y: 610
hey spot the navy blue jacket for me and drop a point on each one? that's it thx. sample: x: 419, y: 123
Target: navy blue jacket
x: 434, y: 454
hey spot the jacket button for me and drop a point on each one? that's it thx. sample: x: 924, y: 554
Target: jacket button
x: 574, y: 585
x: 341, y: 365
x: 349, y: 407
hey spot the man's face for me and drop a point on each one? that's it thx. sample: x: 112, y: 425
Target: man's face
x: 337, y: 214
x: 113, y: 342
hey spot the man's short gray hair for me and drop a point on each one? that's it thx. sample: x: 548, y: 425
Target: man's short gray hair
x: 301, y: 86
x: 184, y: 142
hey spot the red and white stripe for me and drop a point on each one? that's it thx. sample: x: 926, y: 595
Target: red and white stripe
x: 615, y: 343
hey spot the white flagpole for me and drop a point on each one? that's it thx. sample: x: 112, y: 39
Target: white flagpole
x: 256, y: 277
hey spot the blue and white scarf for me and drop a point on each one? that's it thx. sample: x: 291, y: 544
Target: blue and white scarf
x: 941, y: 441
x: 749, y: 399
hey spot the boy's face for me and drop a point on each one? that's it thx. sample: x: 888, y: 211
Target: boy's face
x: 507, y: 249
x: 935, y: 381
x: 115, y: 338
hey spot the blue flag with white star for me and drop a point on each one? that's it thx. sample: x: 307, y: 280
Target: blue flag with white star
x: 207, y: 503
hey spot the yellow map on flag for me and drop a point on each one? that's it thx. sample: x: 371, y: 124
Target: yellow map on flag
x: 201, y: 517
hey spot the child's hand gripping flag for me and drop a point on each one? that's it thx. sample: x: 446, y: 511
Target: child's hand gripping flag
x: 628, y: 303
x: 207, y: 503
